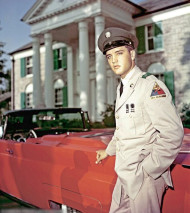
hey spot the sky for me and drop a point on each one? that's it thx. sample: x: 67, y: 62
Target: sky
x: 15, y: 33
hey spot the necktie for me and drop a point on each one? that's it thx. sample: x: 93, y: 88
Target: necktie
x: 121, y: 88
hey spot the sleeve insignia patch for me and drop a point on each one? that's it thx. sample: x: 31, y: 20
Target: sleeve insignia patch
x: 157, y: 92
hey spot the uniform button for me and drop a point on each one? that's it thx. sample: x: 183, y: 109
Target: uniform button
x: 117, y: 128
x: 118, y: 149
x: 117, y: 116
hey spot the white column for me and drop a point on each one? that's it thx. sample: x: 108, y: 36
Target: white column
x: 37, y: 90
x: 70, y: 76
x: 48, y: 87
x: 101, y: 88
x: 113, y: 87
x: 84, y: 65
x: 93, y: 100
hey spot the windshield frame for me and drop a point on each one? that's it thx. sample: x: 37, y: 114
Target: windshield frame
x: 84, y: 126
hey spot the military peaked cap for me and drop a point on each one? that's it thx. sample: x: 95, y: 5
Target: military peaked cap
x: 113, y: 37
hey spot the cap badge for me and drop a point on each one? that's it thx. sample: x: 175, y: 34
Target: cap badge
x: 108, y: 34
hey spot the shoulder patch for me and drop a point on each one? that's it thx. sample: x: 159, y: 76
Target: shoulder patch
x: 157, y: 91
x: 146, y: 75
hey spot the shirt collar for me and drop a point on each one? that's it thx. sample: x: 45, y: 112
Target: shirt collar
x: 127, y: 77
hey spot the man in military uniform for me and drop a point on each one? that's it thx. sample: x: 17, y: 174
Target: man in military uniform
x: 148, y: 132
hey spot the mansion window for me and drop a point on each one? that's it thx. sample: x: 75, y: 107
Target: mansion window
x: 160, y: 76
x: 26, y: 97
x: 29, y: 65
x: 58, y: 97
x: 29, y: 100
x: 60, y: 59
x: 26, y: 66
x: 61, y: 99
x: 150, y: 38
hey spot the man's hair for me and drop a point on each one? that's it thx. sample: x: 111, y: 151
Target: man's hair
x: 129, y: 48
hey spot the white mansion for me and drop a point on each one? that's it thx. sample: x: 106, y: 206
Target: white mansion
x: 63, y: 66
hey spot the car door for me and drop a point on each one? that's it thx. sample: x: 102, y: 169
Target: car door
x: 7, y: 181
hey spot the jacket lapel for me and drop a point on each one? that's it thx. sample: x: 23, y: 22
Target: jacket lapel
x: 117, y: 97
x: 128, y: 89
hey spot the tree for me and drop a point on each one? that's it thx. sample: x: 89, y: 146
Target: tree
x: 5, y: 81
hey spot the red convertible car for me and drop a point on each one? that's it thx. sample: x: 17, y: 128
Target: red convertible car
x: 47, y: 160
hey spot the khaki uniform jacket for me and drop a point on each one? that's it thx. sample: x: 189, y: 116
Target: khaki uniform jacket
x: 148, y: 132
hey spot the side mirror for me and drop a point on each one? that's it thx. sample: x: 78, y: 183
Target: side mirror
x: 1, y: 131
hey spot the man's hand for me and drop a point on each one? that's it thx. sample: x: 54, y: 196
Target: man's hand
x: 101, y: 155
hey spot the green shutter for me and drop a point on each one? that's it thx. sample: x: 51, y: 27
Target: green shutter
x: 158, y: 36
x: 65, y: 97
x: 169, y: 81
x: 64, y: 58
x: 22, y: 67
x: 22, y: 100
x: 55, y: 59
x: 140, y: 33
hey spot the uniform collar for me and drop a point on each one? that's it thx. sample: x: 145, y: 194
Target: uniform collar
x: 128, y: 76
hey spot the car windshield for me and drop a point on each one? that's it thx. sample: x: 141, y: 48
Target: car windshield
x: 46, y: 122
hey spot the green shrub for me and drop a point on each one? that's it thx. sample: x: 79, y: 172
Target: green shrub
x: 109, y: 116
x: 185, y: 115
x: 98, y: 125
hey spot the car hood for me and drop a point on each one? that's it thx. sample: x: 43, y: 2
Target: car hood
x: 183, y: 157
x: 103, y: 135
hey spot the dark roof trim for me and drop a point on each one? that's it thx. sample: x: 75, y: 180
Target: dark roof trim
x: 23, y: 48
x: 161, y: 9
x: 136, y: 5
